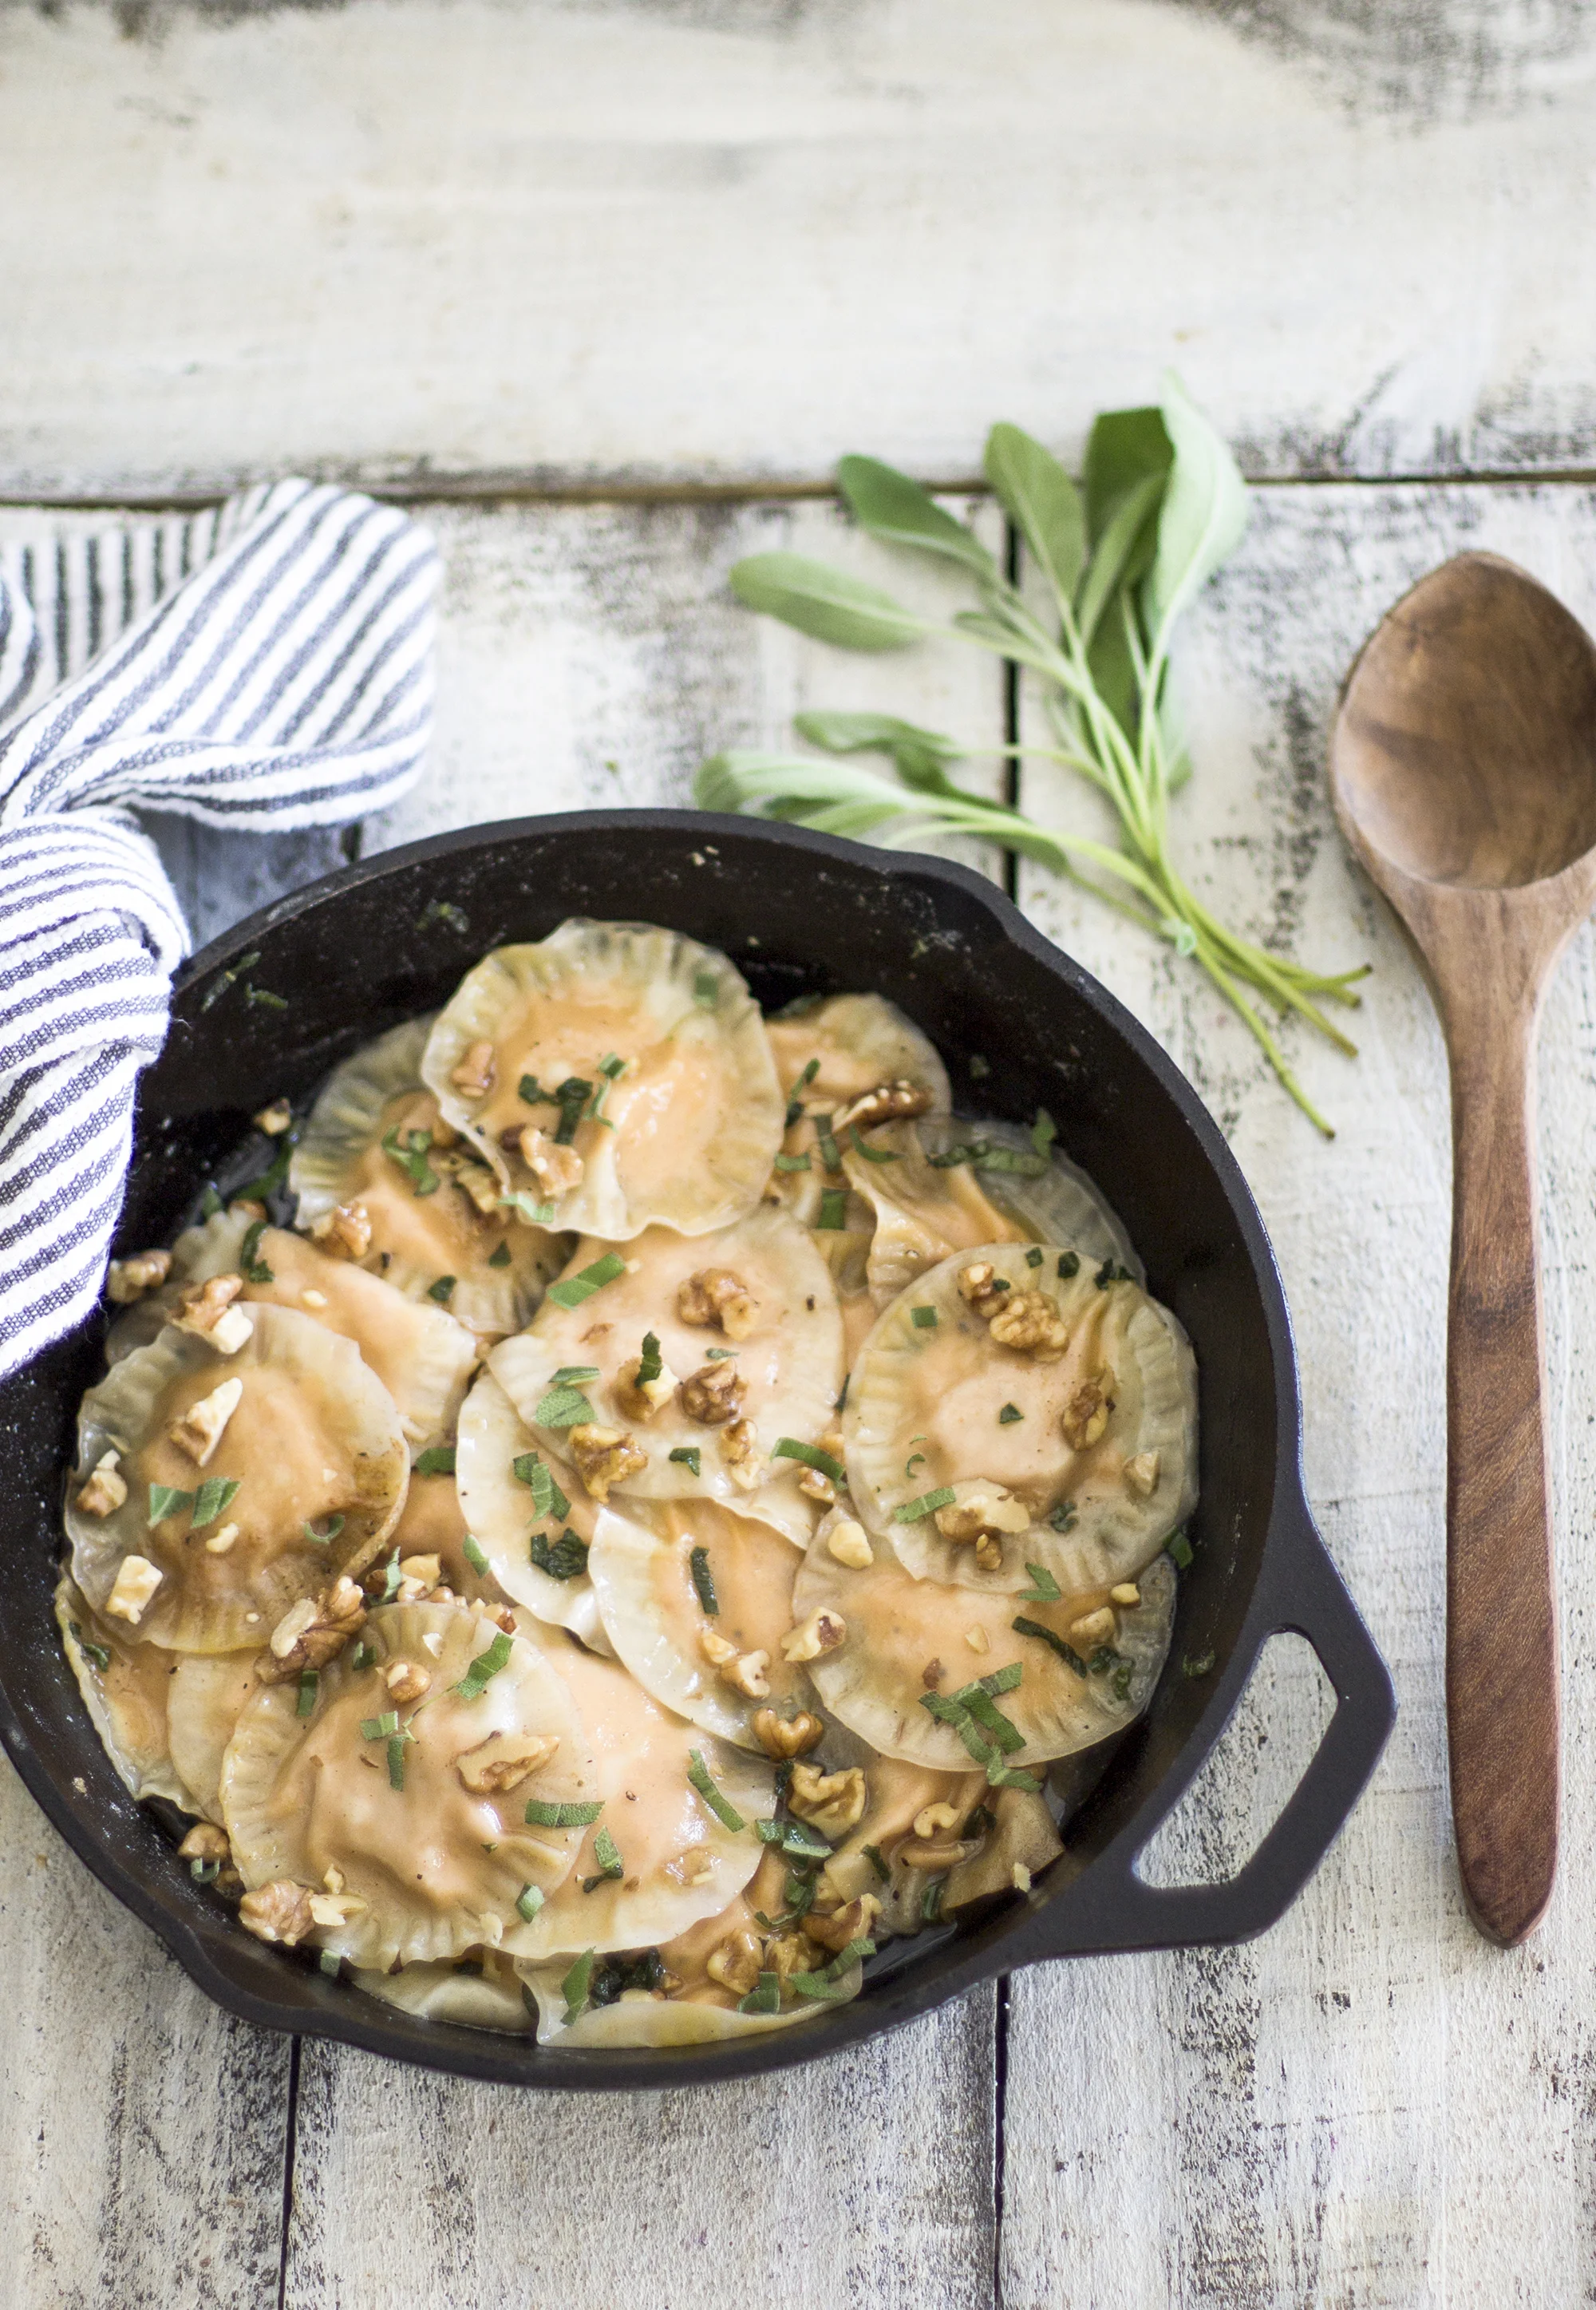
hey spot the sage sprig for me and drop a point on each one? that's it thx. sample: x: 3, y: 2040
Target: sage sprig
x: 1118, y: 561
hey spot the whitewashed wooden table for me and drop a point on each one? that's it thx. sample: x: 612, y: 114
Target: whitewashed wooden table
x: 603, y: 290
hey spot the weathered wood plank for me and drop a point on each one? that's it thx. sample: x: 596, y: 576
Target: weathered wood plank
x: 144, y: 2132
x: 710, y: 243
x: 1369, y: 2105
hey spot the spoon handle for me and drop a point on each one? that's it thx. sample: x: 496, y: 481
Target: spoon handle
x: 1500, y: 1618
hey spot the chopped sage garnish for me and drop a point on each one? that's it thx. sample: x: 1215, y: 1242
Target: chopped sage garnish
x: 704, y: 1580
x: 500, y: 1258
x: 486, y: 1666
x: 547, y: 1499
x: 610, y: 1862
x: 834, y: 1208
x: 321, y: 1539
x: 251, y: 1265
x: 96, y: 1654
x: 1044, y: 1588
x: 699, y: 1774
x: 567, y: 1560
x: 871, y: 1154
x: 570, y: 1097
x: 576, y: 1987
x: 1010, y: 1413
x: 309, y: 1685
x: 1064, y: 1517
x: 441, y: 910
x: 706, y: 989
x: 541, y: 1814
x: 928, y: 1503
x: 471, y: 1548
x: 563, y: 1406
x: 529, y: 1900
x: 1178, y: 1549
x: 443, y: 1290
x: 872, y: 1853
x: 575, y: 1288
x: 795, y: 1104
x: 216, y: 1494
x: 689, y: 1456
x: 651, y: 1363
x: 165, y: 1501
x: 411, y: 1155
x: 1196, y: 1664
x: 1069, y: 1263
x: 792, y: 1162
x: 1033, y: 1258
x: 437, y: 1460
x: 1022, y: 1626
x: 924, y: 1319
x: 788, y: 1447
x: 764, y: 1999
x: 528, y: 1207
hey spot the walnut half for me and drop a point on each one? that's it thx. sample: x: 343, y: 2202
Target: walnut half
x: 312, y: 1631
x: 280, y: 1912
x: 605, y: 1456
x: 718, y: 1296
x: 713, y: 1395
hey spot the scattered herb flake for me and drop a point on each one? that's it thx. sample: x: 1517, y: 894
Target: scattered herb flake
x: 252, y: 1267
x: 165, y: 1501
x: 323, y: 1539
x: 576, y: 1987
x: 915, y: 1460
x: 871, y: 1154
x: 531, y: 1093
x: 500, y: 1258
x: 1069, y: 1263
x: 527, y: 1208
x: 764, y: 1999
x: 1044, y: 1589
x: 1111, y: 1272
x: 788, y: 1447
x: 706, y: 989
x: 529, y: 1900
x: 309, y: 1684
x: 380, y: 1728
x: 437, y: 1460
x: 610, y: 1862
x: 650, y: 1362
x: 411, y: 1159
x: 486, y: 1666
x: 563, y: 1407
x: 931, y: 1901
x: 363, y: 1656
x: 443, y: 1290
x: 1196, y: 1664
x: 699, y: 1774
x: 471, y: 1548
x: 216, y: 1494
x: 567, y: 1560
x: 575, y: 1288
x: 704, y: 1581
x: 928, y: 1503
x: 792, y: 1162
x: 833, y: 1215
x: 872, y: 1853
x: 924, y: 1319
x: 1022, y: 1626
x: 1064, y: 1517
x: 1010, y: 1413
x: 541, y: 1814
x: 391, y: 1580
x: 1178, y: 1549
x: 689, y: 1455
x: 96, y: 1654
x: 263, y: 998
x: 827, y: 1144
x: 209, y: 1203
x: 547, y: 1499
x: 441, y: 910
x: 1044, y: 1131
x: 795, y: 1104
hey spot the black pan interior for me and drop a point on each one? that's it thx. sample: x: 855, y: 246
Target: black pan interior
x: 1019, y: 1025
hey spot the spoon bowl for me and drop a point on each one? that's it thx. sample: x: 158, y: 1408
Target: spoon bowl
x: 1463, y: 772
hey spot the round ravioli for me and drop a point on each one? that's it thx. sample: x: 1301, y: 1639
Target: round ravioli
x: 421, y: 1355
x: 942, y: 1185
x: 616, y: 1075
x: 411, y: 1812
x: 898, y: 1796
x: 696, y: 1601
x: 658, y: 1856
x: 939, y: 1674
x: 426, y: 1208
x: 480, y: 1990
x: 527, y: 1512
x: 750, y: 1345
x: 1018, y: 1407
x: 246, y: 1481
x: 126, y: 1688
x: 831, y: 1053
x: 205, y: 1701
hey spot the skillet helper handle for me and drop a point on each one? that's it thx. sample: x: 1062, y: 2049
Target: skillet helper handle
x: 1109, y: 1908
x: 1501, y: 1613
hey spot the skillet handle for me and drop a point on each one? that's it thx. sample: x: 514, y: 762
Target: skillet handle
x: 1109, y: 1908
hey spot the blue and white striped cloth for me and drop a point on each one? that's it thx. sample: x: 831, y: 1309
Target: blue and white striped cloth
x: 265, y: 666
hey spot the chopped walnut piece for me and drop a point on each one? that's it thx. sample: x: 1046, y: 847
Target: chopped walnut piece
x: 893, y: 1102
x: 1141, y: 1475
x: 201, y: 1428
x: 787, y: 1736
x: 642, y: 1399
x: 334, y: 1909
x: 312, y: 1631
x: 346, y: 1231
x: 205, y: 1842
x: 1086, y: 1415
x: 695, y: 1866
x: 1020, y: 1877
x: 557, y: 1170
x: 854, y: 1922
x: 473, y: 1074
x: 716, y: 1296
x: 605, y: 1456
x: 832, y: 1802
x: 128, y: 1279
x: 503, y: 1761
x: 822, y: 1632
x: 736, y: 1963
x: 277, y: 1913
x: 1029, y: 1322
x: 977, y: 1639
x: 815, y: 1484
x: 218, y: 1542
x: 739, y: 1449
x: 427, y: 1570
x: 1127, y: 1593
x: 106, y: 1490
x: 713, y: 1395
x: 982, y: 1288
x: 406, y: 1680
x: 715, y: 1649
x: 931, y: 1674
x: 274, y: 1120
x: 786, y: 1954
x: 746, y: 1675
x: 479, y: 1182
x: 1094, y: 1627
x: 987, y: 1510
x: 849, y: 1543
x: 136, y: 1581
x: 207, y: 1310
x: 989, y: 1553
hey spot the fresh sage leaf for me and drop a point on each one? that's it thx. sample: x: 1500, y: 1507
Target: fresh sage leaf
x: 892, y: 506
x: 827, y: 604
x: 1042, y: 502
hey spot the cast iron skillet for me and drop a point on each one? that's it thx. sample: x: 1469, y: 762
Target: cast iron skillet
x: 1021, y: 1025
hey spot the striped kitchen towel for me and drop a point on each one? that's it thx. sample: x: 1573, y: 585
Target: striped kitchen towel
x: 265, y: 666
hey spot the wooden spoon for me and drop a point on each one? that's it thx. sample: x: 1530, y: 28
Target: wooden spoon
x: 1464, y: 769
